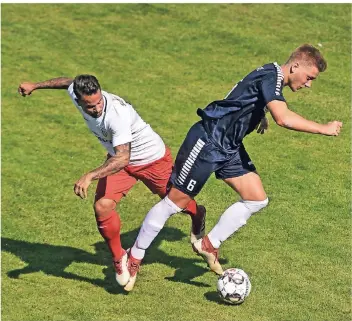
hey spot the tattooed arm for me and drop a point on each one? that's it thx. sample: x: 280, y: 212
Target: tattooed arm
x: 115, y: 163
x: 26, y: 88
x: 111, y: 166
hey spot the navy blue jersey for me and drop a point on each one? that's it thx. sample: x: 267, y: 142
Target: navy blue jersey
x: 229, y: 120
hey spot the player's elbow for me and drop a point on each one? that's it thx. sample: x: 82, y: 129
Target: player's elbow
x: 119, y: 161
x: 280, y: 113
x: 281, y: 121
x: 126, y: 161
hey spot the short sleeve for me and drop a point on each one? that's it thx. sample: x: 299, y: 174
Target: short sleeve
x: 72, y: 95
x: 271, y: 88
x: 120, y: 124
x: 70, y: 91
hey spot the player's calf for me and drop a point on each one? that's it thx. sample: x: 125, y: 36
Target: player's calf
x: 198, y: 224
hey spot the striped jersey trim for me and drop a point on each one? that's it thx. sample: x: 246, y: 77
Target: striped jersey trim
x: 186, y: 168
x: 279, y: 80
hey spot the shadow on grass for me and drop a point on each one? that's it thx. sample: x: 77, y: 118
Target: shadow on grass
x: 54, y: 259
x: 213, y: 296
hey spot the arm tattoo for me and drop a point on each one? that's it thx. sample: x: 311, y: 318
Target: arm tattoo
x: 55, y: 83
x: 115, y: 163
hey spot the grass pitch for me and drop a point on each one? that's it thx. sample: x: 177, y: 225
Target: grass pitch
x: 168, y: 60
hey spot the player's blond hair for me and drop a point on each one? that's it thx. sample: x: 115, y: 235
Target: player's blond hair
x: 309, y: 55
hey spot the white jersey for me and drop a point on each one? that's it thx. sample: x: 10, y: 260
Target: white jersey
x: 120, y: 124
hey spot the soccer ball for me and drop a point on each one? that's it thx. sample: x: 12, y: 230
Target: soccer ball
x: 234, y: 286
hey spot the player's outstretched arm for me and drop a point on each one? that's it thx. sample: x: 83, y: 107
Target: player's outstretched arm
x: 111, y: 166
x: 26, y: 88
x: 290, y: 120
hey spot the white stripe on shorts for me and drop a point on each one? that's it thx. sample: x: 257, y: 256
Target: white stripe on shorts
x: 186, y: 168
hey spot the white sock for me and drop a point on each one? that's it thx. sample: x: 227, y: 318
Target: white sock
x: 232, y: 219
x: 152, y: 224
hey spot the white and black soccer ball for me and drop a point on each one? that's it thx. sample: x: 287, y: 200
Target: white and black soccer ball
x: 234, y: 286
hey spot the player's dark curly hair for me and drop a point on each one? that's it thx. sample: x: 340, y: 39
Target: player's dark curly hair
x: 85, y: 85
x: 310, y: 55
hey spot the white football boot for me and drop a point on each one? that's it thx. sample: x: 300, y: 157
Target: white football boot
x: 133, y: 268
x: 204, y: 248
x: 122, y: 273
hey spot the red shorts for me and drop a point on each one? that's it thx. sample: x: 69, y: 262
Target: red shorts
x: 154, y: 175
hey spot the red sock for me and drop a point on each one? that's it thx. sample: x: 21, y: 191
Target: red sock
x: 191, y: 208
x: 109, y: 228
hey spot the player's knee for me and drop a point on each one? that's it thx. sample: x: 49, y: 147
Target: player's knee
x: 150, y: 228
x: 255, y: 206
x: 178, y: 199
x: 103, y: 207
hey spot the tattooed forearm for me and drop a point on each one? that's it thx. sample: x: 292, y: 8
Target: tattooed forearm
x: 115, y: 163
x: 55, y: 83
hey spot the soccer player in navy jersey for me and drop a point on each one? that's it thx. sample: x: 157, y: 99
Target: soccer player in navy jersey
x: 214, y: 144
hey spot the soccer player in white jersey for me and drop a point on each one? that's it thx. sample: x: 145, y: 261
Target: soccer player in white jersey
x: 215, y: 145
x: 135, y: 152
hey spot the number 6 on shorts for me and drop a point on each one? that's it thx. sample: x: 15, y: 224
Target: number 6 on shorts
x: 191, y: 185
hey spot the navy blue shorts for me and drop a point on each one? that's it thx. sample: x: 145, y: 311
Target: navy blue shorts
x: 198, y: 158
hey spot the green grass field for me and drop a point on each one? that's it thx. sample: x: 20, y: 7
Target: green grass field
x: 168, y: 60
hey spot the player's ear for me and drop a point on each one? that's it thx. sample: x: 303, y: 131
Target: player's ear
x: 294, y: 67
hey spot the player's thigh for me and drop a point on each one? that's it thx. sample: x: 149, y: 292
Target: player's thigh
x: 155, y: 175
x: 240, y: 173
x: 196, y: 160
x: 190, y: 179
x: 178, y: 197
x: 115, y: 186
x: 249, y: 186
